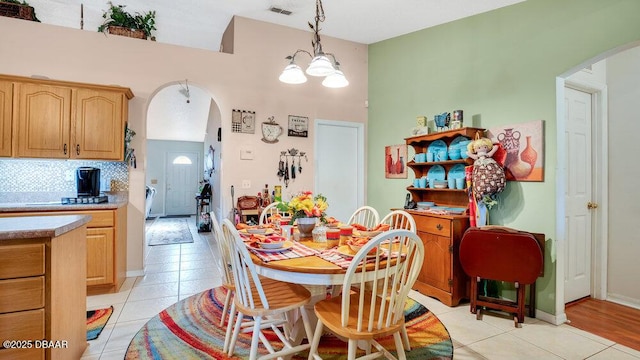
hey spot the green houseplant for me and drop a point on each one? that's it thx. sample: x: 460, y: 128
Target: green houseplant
x: 17, y: 9
x: 120, y: 22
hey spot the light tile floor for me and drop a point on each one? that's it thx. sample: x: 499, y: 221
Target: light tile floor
x: 174, y: 272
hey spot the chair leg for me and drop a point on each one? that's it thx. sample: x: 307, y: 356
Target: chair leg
x: 255, y: 338
x: 227, y: 336
x: 236, y: 331
x: 353, y: 347
x: 405, y: 338
x: 399, y: 347
x: 227, y: 300
x: 313, y: 351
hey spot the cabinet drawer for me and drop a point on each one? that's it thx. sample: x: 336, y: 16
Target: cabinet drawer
x: 433, y: 225
x: 21, y: 260
x: 23, y: 325
x: 21, y: 294
x: 99, y: 218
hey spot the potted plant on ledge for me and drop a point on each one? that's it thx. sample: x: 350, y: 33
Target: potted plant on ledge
x: 120, y: 22
x: 17, y: 9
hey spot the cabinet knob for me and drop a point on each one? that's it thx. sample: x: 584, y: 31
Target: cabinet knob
x: 592, y: 205
x: 77, y: 149
x: 65, y: 149
x: 439, y: 226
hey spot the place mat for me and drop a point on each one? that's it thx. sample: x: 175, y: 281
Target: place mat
x: 296, y: 251
x: 335, y: 257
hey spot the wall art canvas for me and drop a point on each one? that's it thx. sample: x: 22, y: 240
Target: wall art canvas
x: 522, y: 150
x: 298, y: 126
x: 395, y: 161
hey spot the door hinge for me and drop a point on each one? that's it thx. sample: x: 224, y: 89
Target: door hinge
x: 450, y: 282
x: 451, y: 249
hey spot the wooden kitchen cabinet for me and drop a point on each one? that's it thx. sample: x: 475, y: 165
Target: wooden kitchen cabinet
x: 43, y: 121
x: 42, y: 294
x: 441, y: 275
x: 106, y: 246
x: 6, y: 98
x: 65, y: 120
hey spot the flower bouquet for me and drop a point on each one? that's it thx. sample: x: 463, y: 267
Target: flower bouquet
x: 305, y: 205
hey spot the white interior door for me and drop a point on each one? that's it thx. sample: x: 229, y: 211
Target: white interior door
x: 182, y: 183
x: 578, y: 195
x: 339, y: 166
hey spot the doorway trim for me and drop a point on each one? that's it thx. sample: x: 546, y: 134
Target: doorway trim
x: 599, y: 140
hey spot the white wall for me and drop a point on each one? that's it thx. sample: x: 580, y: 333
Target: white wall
x: 247, y: 79
x: 623, y: 77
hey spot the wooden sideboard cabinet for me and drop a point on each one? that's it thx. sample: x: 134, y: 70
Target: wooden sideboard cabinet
x: 65, y: 120
x: 441, y: 275
x: 106, y: 244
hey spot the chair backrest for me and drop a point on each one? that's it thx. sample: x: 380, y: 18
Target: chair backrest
x: 267, y: 212
x: 365, y: 215
x: 389, y: 275
x: 223, y: 249
x: 244, y: 271
x: 399, y: 219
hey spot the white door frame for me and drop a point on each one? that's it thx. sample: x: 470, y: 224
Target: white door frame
x: 361, y: 146
x: 600, y: 186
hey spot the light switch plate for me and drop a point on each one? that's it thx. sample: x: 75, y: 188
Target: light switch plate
x: 246, y: 184
x: 246, y: 153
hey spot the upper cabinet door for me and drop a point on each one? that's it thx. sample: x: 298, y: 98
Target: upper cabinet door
x: 6, y: 99
x: 98, y: 129
x: 43, y: 121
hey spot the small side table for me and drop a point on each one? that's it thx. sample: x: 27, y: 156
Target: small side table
x: 203, y: 219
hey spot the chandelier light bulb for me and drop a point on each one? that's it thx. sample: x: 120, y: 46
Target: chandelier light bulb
x: 320, y: 66
x: 336, y: 80
x: 293, y: 74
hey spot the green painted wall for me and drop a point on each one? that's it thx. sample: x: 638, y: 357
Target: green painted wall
x: 500, y: 68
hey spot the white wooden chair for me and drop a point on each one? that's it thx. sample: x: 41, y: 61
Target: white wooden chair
x: 264, y: 299
x: 399, y: 219
x: 227, y: 277
x: 270, y: 210
x: 365, y: 215
x: 361, y: 316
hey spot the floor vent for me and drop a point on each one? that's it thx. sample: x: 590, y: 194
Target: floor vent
x: 280, y: 11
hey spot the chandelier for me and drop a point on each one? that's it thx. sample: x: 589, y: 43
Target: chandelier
x: 322, y: 64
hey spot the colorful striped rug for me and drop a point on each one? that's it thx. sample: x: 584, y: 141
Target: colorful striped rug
x: 96, y: 320
x: 190, y: 329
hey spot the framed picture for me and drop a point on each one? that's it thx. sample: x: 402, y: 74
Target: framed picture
x: 395, y: 161
x: 243, y: 121
x: 298, y: 126
x: 522, y: 150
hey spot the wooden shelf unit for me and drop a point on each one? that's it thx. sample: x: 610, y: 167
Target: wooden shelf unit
x: 441, y: 275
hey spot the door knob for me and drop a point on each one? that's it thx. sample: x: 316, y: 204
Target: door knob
x: 592, y: 205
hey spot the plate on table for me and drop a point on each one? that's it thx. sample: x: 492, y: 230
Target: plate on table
x: 346, y: 251
x: 285, y: 246
x: 436, y: 147
x: 259, y: 231
x: 437, y: 172
x: 456, y: 172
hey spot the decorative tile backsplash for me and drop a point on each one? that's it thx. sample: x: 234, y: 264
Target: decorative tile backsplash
x: 58, y: 175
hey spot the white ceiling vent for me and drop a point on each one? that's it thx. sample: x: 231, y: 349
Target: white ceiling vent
x: 280, y: 11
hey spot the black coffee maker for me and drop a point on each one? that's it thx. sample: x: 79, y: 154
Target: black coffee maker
x: 88, y: 181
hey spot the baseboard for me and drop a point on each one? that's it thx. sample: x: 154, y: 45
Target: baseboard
x: 135, y: 273
x: 624, y: 300
x: 552, y: 319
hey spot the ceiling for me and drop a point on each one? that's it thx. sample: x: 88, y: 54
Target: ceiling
x: 201, y: 23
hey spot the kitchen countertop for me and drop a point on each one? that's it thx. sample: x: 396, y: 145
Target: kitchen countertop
x: 40, y: 226
x: 116, y: 201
